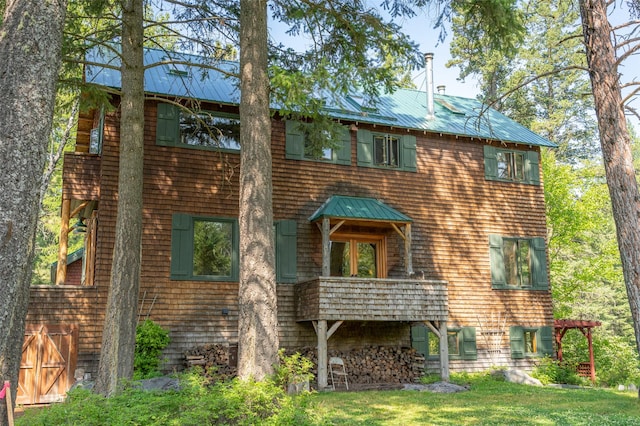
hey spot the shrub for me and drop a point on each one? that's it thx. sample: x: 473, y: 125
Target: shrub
x: 292, y: 369
x: 551, y: 371
x: 151, y: 339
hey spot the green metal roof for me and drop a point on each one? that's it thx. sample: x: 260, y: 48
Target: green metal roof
x: 340, y: 206
x: 403, y: 109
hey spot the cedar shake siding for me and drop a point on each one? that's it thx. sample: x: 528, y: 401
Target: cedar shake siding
x: 454, y: 208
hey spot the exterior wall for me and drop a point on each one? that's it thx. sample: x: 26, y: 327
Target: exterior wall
x: 453, y: 207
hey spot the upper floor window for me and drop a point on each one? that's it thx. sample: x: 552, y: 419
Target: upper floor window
x: 201, y: 130
x: 511, y: 165
x: 299, y: 146
x: 518, y: 263
x: 386, y: 150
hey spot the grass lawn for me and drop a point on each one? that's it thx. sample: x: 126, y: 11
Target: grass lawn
x: 489, y: 402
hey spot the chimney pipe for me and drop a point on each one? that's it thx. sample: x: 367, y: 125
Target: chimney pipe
x: 428, y: 59
x: 441, y: 89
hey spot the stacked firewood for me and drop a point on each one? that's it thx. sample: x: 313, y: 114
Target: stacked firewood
x: 375, y: 364
x: 213, y: 358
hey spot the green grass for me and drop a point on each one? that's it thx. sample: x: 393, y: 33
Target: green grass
x: 489, y: 402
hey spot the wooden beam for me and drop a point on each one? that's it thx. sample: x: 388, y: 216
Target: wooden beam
x: 408, y: 257
x: 326, y: 247
x: 333, y: 329
x: 432, y: 328
x: 444, y: 352
x: 63, y: 245
x: 336, y: 226
x: 398, y: 230
x: 322, y: 355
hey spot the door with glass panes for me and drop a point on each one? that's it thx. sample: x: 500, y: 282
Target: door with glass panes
x: 358, y: 256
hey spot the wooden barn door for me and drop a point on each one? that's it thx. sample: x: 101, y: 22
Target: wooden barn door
x: 49, y: 355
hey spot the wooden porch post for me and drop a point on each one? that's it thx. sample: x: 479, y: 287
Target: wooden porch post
x: 326, y: 248
x: 407, y: 250
x: 322, y: 354
x: 61, y: 271
x: 559, y: 335
x: 444, y: 352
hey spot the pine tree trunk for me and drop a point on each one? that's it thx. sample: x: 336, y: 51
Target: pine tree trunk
x: 258, y: 320
x: 119, y: 333
x: 30, y: 45
x: 616, y: 146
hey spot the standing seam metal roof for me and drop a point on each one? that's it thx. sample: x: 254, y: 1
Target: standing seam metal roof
x: 405, y: 108
x: 340, y: 206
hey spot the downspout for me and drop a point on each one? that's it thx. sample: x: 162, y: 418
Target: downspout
x: 428, y: 59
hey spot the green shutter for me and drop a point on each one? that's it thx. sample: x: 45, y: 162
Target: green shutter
x: 343, y: 154
x: 294, y: 148
x: 420, y: 340
x: 181, y: 246
x: 516, y: 338
x: 496, y: 258
x: 545, y: 342
x: 539, y: 264
x: 468, y: 348
x: 490, y: 163
x: 365, y: 148
x: 408, y: 153
x: 532, y: 168
x: 167, y: 125
x: 286, y: 251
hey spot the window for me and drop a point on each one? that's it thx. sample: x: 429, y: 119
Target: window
x: 518, y: 263
x: 203, y: 130
x: 357, y: 257
x: 208, y: 130
x: 461, y: 342
x: 204, y: 248
x: 386, y: 150
x: 300, y: 147
x: 530, y: 342
x: 511, y: 165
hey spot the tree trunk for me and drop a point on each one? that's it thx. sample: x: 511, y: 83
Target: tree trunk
x: 616, y: 146
x: 258, y: 319
x: 119, y: 334
x: 30, y: 44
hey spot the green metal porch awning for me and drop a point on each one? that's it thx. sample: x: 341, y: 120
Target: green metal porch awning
x: 358, y: 208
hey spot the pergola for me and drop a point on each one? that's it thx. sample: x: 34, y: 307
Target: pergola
x: 561, y: 326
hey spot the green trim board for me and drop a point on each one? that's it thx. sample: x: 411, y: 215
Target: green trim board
x: 340, y: 206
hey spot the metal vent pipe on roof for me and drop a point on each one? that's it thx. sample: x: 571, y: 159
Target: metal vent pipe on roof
x: 428, y: 59
x: 441, y: 88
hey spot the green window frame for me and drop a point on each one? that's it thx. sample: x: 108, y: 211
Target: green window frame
x: 510, y: 165
x: 518, y: 263
x: 461, y: 342
x: 204, y: 248
x: 386, y: 151
x: 531, y: 342
x: 286, y: 251
x: 298, y: 148
x: 204, y: 130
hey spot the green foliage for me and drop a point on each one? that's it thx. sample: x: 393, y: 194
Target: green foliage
x: 197, y: 403
x: 151, y: 339
x: 550, y: 370
x: 293, y: 368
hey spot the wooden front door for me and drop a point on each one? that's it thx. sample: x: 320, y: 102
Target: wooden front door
x: 49, y: 354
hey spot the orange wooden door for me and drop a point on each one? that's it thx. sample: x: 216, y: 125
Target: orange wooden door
x: 49, y: 355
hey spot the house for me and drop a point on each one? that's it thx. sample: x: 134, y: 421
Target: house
x: 424, y: 225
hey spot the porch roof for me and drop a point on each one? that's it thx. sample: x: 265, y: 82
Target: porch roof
x: 340, y: 206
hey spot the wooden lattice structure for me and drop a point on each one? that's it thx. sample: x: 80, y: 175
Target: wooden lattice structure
x: 561, y: 326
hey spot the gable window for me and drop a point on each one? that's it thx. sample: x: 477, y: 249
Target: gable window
x: 299, y: 147
x: 518, y: 263
x: 530, y: 342
x: 510, y: 165
x: 385, y: 150
x: 357, y: 256
x: 461, y: 342
x: 205, y: 130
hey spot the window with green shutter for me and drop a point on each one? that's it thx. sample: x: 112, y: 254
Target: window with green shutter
x: 385, y: 150
x: 518, y: 263
x: 461, y: 343
x: 298, y: 145
x: 511, y: 165
x: 204, y: 248
x: 286, y: 251
x: 206, y: 130
x: 529, y: 342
